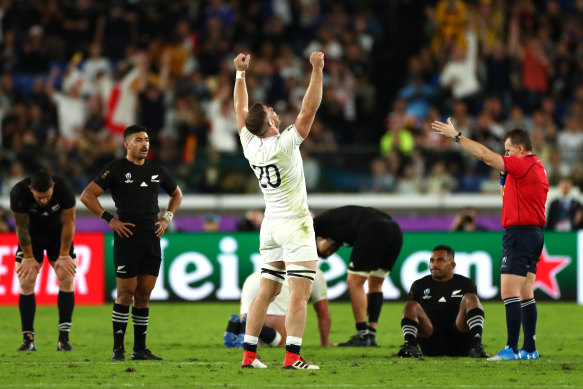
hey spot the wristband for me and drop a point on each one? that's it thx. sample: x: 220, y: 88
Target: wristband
x: 168, y: 216
x: 63, y: 256
x: 106, y: 216
x: 457, y: 138
x: 502, y: 179
x: 240, y: 75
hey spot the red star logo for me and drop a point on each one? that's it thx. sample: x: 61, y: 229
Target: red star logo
x: 546, y: 273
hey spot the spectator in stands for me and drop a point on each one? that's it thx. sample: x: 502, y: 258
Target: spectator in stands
x: 563, y: 210
x: 465, y: 220
x: 460, y: 73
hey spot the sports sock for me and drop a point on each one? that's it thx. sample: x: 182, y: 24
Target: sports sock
x: 140, y: 317
x: 475, y: 321
x: 513, y: 319
x: 293, y: 344
x: 27, y: 305
x: 119, y: 318
x: 361, y: 328
x: 66, y: 304
x: 529, y: 317
x: 269, y: 336
x: 409, y: 328
x: 375, y: 303
x: 250, y: 343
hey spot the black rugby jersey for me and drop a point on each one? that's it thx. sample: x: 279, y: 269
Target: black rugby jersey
x: 45, y: 219
x: 342, y: 224
x: 441, y: 300
x: 135, y: 188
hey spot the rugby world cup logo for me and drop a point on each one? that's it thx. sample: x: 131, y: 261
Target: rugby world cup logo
x: 129, y: 178
x: 426, y: 294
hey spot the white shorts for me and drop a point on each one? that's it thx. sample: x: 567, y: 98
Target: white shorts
x: 288, y: 240
x: 249, y: 291
x: 279, y: 306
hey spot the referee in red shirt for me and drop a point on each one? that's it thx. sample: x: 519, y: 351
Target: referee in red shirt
x: 524, y: 195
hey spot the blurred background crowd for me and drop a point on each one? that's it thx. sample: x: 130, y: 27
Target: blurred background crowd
x: 74, y: 73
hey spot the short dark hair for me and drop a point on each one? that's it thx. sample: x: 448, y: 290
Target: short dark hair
x: 41, y: 181
x: 133, y: 129
x: 446, y: 248
x: 518, y: 137
x: 255, y: 121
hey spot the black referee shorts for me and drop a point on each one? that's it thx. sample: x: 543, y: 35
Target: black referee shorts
x: 139, y: 254
x: 377, y: 246
x: 446, y: 342
x: 521, y: 250
x: 51, y: 243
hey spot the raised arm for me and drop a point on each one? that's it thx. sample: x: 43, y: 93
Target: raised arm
x: 240, y: 97
x: 313, y: 97
x: 478, y: 150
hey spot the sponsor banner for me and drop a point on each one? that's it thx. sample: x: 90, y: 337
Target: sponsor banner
x: 89, y: 280
x: 202, y: 266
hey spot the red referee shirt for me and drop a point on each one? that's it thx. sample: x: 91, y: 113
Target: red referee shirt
x: 525, y: 192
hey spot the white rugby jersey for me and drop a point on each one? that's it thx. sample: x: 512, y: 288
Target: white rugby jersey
x: 278, y: 165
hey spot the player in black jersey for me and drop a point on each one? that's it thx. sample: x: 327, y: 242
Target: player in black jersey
x: 134, y: 183
x: 376, y: 240
x: 444, y: 315
x: 44, y: 212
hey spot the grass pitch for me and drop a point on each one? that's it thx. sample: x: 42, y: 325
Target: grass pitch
x: 189, y: 337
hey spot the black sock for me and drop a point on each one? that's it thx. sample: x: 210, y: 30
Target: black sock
x: 27, y: 305
x: 475, y: 321
x: 267, y: 334
x: 529, y: 317
x: 293, y: 348
x: 140, y: 317
x: 119, y: 318
x: 250, y: 347
x: 513, y: 321
x: 66, y: 304
x: 410, y: 329
x: 361, y: 326
x: 375, y: 303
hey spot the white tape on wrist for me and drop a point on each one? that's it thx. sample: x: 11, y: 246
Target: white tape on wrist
x: 240, y: 75
x: 168, y: 216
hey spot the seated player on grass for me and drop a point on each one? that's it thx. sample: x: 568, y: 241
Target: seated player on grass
x: 444, y: 315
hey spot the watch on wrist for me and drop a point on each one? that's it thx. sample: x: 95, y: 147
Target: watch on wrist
x: 457, y: 138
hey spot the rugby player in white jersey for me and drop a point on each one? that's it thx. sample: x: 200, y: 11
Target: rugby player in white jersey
x: 287, y: 239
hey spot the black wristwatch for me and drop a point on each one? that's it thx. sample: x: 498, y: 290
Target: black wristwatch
x: 457, y: 138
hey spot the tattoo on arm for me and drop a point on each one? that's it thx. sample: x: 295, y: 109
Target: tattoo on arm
x: 22, y: 221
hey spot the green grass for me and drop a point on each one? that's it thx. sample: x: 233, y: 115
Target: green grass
x: 189, y: 337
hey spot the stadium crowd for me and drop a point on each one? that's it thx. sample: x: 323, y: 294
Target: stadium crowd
x: 75, y: 73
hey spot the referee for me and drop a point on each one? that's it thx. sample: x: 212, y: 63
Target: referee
x: 524, y: 187
x: 134, y: 182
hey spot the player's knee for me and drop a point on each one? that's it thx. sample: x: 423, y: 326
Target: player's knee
x: 27, y: 285
x: 470, y: 301
x: 412, y: 309
x: 65, y: 280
